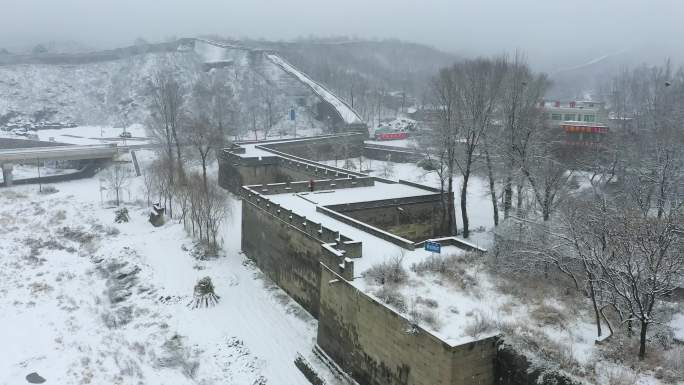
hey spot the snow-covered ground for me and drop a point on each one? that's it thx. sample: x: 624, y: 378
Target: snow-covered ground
x: 408, y: 143
x: 85, y: 300
x: 677, y: 324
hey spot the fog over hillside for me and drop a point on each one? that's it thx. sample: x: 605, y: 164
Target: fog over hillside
x: 554, y: 34
x: 342, y: 192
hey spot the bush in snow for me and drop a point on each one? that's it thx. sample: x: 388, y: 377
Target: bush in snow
x: 479, y: 325
x: 389, y: 272
x: 427, y: 164
x: 387, y: 170
x: 621, y: 376
x: 177, y: 355
x: 121, y: 215
x: 392, y: 297
x: 204, y: 295
x: 449, y: 267
x: 427, y: 302
x: 424, y: 316
x: 111, y: 230
x: 48, y: 190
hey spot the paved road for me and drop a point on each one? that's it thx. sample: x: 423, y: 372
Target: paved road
x: 63, y: 152
x: 7, y: 143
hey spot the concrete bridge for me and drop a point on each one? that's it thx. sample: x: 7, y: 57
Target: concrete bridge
x: 9, y: 157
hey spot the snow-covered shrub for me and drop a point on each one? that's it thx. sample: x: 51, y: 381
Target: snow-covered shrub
x: 427, y: 302
x: 121, y: 215
x: 387, y: 170
x: 428, y: 164
x: 449, y: 267
x: 48, y: 190
x: 546, y: 314
x: 117, y: 318
x: 620, y: 376
x: 392, y: 297
x: 425, y: 316
x: 204, y: 295
x: 76, y: 234
x: 479, y: 325
x: 57, y: 217
x: 177, y: 355
x: 673, y: 364
x: 389, y: 272
x: 111, y: 230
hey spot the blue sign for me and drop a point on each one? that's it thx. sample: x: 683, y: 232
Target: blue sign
x: 433, y: 247
x: 292, y: 114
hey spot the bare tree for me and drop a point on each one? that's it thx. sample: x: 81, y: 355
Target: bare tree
x: 117, y: 179
x: 478, y: 84
x: 446, y: 131
x: 646, y: 264
x: 168, y: 100
x: 520, y: 117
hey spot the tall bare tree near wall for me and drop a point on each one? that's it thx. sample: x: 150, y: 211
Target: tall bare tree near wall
x: 446, y: 133
x: 478, y: 85
x: 166, y: 111
x: 521, y: 94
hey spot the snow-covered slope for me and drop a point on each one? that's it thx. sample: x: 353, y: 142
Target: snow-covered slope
x: 94, y: 92
x: 346, y: 112
x: 91, y: 93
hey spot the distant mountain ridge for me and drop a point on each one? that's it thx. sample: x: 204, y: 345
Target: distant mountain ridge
x: 93, y: 87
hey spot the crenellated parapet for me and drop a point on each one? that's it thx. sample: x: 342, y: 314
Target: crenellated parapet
x: 337, y: 250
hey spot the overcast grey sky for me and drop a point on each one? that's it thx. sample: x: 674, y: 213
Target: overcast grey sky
x: 555, y: 31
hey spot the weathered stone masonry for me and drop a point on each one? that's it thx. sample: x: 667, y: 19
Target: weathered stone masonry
x: 315, y: 265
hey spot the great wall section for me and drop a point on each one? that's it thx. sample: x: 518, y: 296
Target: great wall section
x: 300, y: 228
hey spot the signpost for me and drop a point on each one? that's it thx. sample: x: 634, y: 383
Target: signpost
x: 433, y: 247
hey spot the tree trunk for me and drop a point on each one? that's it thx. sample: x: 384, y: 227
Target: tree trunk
x: 642, y: 340
x: 508, y: 196
x: 453, y: 230
x: 464, y: 205
x: 519, y: 194
x: 592, y: 295
x: 492, y: 186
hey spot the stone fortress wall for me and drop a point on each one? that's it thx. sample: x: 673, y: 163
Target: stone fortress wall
x: 314, y: 264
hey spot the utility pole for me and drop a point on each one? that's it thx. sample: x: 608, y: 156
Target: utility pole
x: 40, y: 184
x: 293, y: 117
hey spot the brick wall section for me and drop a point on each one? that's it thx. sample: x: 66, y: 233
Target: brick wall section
x: 371, y: 342
x: 395, y: 154
x: 236, y: 171
x: 324, y: 148
x: 415, y: 218
x: 290, y: 248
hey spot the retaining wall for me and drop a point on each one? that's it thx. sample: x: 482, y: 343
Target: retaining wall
x: 323, y: 148
x: 377, y: 346
x: 416, y: 218
x: 396, y: 154
x: 289, y: 248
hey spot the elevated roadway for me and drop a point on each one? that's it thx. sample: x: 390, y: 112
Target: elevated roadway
x: 11, y: 156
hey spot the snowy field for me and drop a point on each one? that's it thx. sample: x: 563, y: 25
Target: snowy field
x: 85, y: 300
